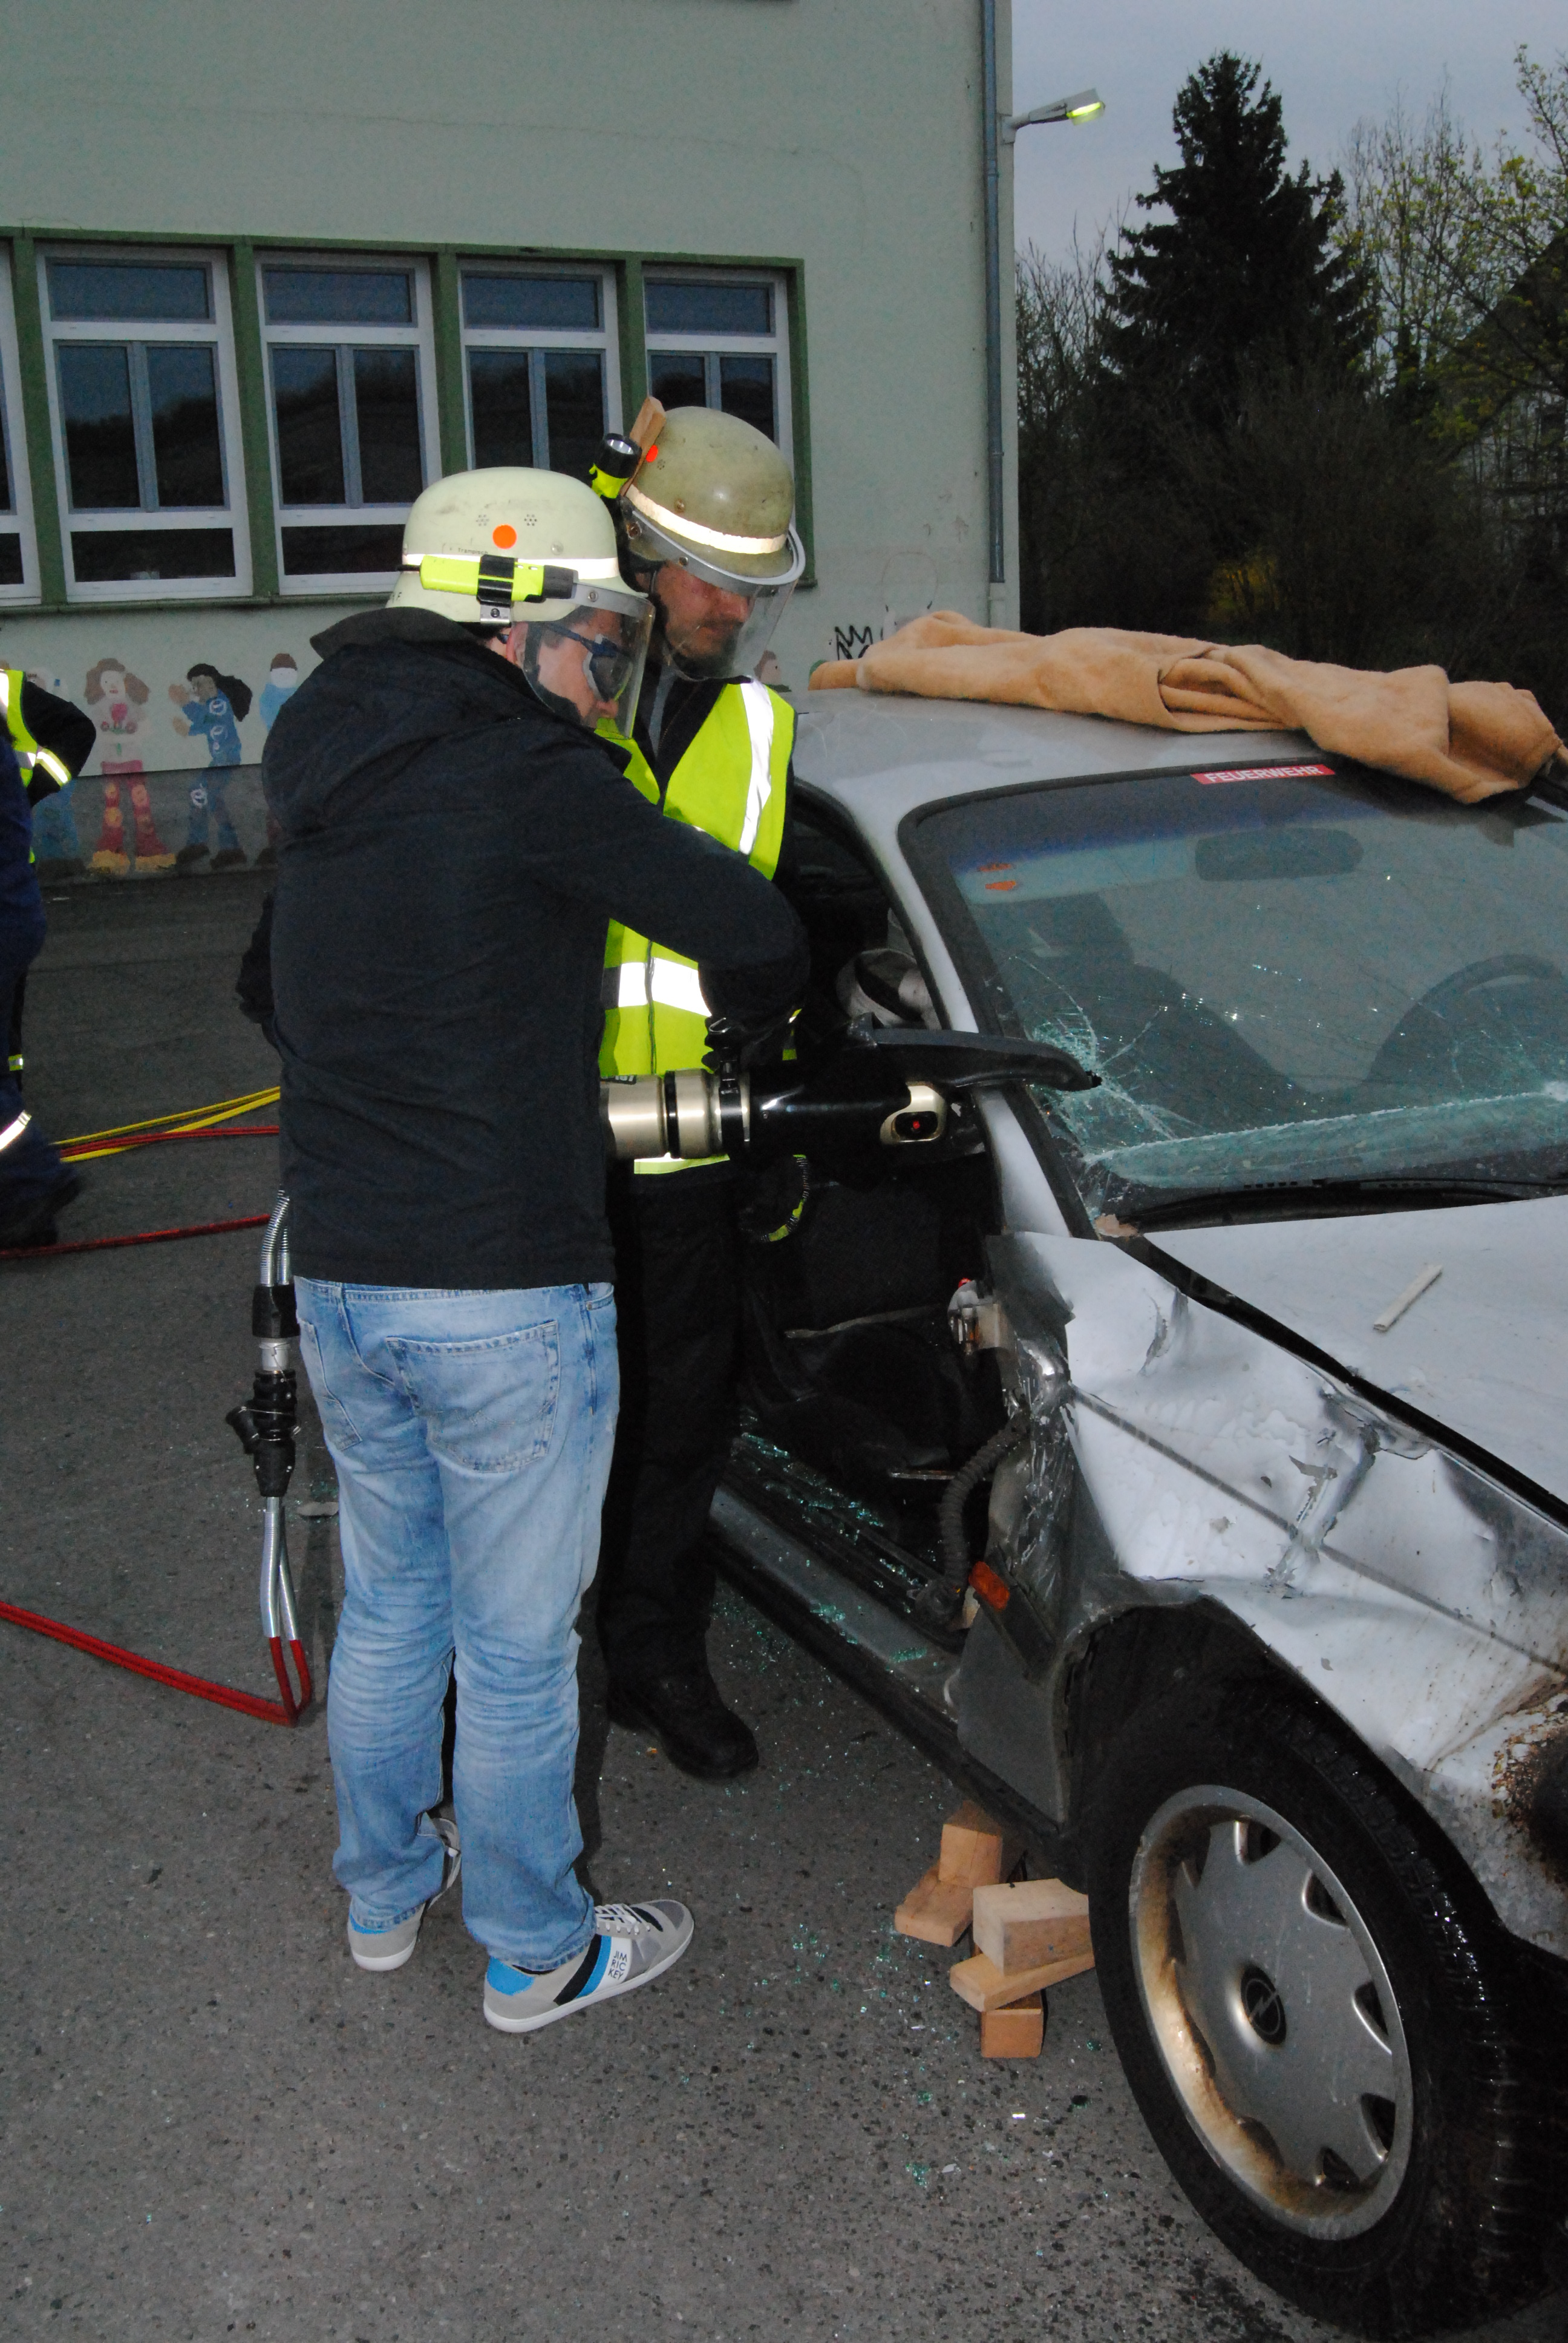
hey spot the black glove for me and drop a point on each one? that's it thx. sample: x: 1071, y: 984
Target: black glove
x: 739, y: 1043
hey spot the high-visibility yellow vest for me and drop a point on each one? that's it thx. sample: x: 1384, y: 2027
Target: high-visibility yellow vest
x: 730, y: 783
x: 28, y: 753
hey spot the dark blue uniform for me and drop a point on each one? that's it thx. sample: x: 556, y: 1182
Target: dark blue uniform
x: 33, y: 1182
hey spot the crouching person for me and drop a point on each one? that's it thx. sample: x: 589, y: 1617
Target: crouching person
x: 454, y: 841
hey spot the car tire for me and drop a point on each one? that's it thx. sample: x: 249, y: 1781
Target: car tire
x: 1314, y: 2014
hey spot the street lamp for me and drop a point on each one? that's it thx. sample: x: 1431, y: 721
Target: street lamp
x: 1076, y: 108
x: 1002, y: 129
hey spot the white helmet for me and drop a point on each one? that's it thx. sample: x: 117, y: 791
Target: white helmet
x: 510, y: 547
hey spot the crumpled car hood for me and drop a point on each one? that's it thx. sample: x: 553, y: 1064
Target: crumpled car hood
x: 1482, y: 1351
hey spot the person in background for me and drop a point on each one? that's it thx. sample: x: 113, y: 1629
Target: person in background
x: 50, y: 741
x: 212, y: 706
x: 706, y: 528
x: 33, y: 1182
x: 455, y: 842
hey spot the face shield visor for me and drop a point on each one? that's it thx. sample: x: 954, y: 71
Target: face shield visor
x: 716, y: 615
x: 587, y: 663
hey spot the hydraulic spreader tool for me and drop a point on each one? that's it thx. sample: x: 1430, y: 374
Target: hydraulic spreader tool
x: 877, y: 1087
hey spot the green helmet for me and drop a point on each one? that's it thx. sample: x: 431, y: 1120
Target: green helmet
x: 714, y: 496
x: 509, y: 546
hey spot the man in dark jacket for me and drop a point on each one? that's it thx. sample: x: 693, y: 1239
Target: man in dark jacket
x: 454, y: 843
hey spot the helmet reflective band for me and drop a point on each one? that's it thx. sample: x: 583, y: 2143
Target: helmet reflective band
x: 713, y: 498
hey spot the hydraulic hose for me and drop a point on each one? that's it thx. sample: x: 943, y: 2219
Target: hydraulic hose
x: 955, y: 1556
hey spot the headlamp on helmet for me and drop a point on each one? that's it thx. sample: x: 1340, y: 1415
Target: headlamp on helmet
x: 508, y: 548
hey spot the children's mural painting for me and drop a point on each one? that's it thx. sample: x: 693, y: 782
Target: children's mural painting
x: 137, y: 761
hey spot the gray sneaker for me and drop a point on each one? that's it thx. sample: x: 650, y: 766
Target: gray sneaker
x: 632, y: 1944
x: 388, y: 1948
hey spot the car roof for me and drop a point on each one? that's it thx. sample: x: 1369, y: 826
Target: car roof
x: 878, y: 756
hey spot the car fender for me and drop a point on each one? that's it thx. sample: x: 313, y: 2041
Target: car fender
x: 1420, y: 1600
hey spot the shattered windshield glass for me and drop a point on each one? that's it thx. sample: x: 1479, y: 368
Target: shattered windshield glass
x: 1280, y: 975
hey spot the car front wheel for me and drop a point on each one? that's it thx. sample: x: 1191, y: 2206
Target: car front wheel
x: 1314, y: 2014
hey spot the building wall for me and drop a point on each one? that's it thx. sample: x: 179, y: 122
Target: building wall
x: 843, y: 143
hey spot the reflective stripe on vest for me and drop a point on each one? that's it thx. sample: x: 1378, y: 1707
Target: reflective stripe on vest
x: 730, y: 783
x: 27, y: 751
x: 14, y: 1129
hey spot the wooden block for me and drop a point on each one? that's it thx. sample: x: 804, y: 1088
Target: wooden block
x: 983, y: 1984
x: 1016, y: 2032
x: 1034, y: 1921
x: 975, y: 1850
x: 934, y: 1910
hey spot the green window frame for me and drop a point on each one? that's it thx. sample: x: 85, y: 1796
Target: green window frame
x: 250, y: 438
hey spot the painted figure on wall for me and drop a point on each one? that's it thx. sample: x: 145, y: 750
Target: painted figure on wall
x: 281, y: 682
x: 211, y: 705
x: 117, y: 700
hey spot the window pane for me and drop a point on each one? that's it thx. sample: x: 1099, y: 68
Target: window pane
x: 152, y: 290
x: 10, y: 562
x: 338, y: 297
x: 182, y: 383
x: 100, y: 436
x: 103, y: 555
x: 503, y: 410
x: 320, y: 552
x: 574, y: 406
x: 309, y: 435
x: 386, y: 396
x: 677, y: 306
x: 567, y: 302
x: 746, y: 388
x: 676, y: 377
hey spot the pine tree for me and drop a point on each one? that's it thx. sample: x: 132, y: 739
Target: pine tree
x: 1244, y: 274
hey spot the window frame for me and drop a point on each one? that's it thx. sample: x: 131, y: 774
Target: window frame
x: 605, y: 337
x: 14, y: 424
x: 711, y: 347
x: 336, y: 334
x: 218, y: 332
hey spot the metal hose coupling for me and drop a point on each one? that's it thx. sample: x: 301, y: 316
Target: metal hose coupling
x: 688, y: 1113
x: 265, y: 1427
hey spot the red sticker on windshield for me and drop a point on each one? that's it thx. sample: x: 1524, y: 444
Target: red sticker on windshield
x: 1268, y: 773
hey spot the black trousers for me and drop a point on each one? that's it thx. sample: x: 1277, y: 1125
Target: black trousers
x: 678, y: 1310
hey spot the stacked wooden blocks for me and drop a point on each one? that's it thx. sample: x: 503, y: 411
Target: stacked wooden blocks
x: 1028, y: 1933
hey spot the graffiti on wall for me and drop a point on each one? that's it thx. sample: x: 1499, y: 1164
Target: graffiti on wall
x: 908, y: 590
x: 130, y: 787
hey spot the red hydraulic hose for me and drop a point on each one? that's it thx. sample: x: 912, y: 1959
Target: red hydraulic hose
x: 147, y: 1236
x: 286, y: 1710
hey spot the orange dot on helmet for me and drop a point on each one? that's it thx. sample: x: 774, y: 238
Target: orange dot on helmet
x: 504, y: 534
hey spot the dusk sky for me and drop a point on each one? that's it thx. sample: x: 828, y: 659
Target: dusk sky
x: 1332, y: 61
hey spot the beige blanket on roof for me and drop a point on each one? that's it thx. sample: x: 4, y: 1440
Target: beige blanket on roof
x: 1471, y: 740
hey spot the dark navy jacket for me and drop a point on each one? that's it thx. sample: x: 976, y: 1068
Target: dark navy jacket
x: 451, y: 855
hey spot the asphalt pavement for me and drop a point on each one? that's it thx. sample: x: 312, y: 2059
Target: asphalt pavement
x: 213, y: 2124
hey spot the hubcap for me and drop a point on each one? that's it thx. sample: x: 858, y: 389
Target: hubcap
x: 1272, y: 2011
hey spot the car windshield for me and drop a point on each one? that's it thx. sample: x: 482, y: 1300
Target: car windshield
x: 1281, y: 975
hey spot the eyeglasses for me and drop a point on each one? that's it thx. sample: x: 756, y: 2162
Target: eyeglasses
x: 610, y: 667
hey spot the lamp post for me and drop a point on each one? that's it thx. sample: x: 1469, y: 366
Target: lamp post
x: 1004, y: 130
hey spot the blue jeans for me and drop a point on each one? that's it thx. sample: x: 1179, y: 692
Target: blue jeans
x: 472, y: 1436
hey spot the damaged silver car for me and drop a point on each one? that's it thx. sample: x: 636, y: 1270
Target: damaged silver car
x: 1180, y: 1457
